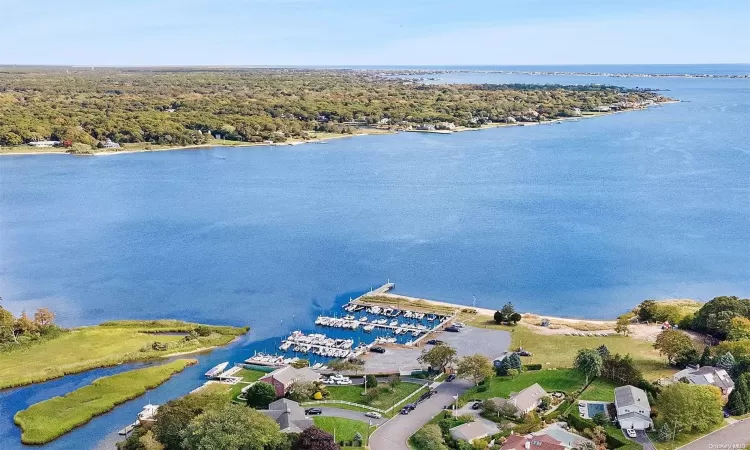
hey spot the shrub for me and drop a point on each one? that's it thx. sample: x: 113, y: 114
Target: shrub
x: 371, y: 381
x: 533, y: 367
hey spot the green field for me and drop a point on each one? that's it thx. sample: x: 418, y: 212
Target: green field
x: 558, y: 351
x: 344, y: 429
x: 47, y: 420
x: 600, y: 390
x: 104, y: 345
x: 565, y: 380
x: 383, y: 401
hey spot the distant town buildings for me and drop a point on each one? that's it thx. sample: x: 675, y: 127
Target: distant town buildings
x: 44, y: 143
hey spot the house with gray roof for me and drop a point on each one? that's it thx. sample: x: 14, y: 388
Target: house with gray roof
x: 472, y: 430
x: 289, y: 415
x: 633, y: 409
x: 525, y: 401
x: 708, y: 376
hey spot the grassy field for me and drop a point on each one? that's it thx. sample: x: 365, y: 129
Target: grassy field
x: 47, y: 420
x: 559, y: 350
x: 345, y: 429
x: 383, y: 401
x: 601, y: 390
x: 681, y: 438
x: 565, y: 380
x: 108, y: 344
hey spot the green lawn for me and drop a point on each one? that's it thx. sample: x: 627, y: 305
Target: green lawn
x: 344, y: 429
x: 565, y: 380
x: 384, y: 401
x: 600, y: 389
x: 47, y: 420
x: 250, y: 375
x: 558, y: 351
x: 681, y: 438
x: 108, y: 344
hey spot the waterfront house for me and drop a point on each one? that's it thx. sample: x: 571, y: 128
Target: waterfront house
x: 532, y: 442
x: 289, y: 415
x: 109, y: 144
x: 472, y: 430
x: 633, y: 409
x: 44, y: 143
x: 525, y: 401
x: 707, y: 375
x: 426, y: 127
x: 282, y: 379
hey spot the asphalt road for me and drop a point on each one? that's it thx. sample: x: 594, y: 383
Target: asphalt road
x: 737, y: 435
x: 394, y: 434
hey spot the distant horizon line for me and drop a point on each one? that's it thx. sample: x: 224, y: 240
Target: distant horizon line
x: 368, y: 65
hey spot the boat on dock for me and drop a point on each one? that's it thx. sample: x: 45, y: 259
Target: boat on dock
x: 148, y: 412
x: 128, y: 429
x: 368, y: 328
x: 219, y: 368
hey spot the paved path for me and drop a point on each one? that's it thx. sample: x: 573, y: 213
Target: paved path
x: 349, y: 414
x: 737, y: 434
x: 394, y: 434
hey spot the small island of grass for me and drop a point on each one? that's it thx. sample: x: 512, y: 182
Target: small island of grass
x: 37, y: 350
x: 50, y: 419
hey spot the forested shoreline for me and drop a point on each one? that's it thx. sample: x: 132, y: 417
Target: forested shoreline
x: 176, y: 107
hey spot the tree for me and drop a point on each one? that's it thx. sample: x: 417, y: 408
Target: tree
x: 514, y: 361
x: 260, y: 394
x: 696, y: 408
x: 513, y: 373
x: 24, y: 325
x: 302, y: 391
x: 715, y: 317
x: 589, y: 363
x: 586, y: 445
x: 507, y: 311
x: 600, y: 419
x: 603, y: 351
x: 739, y: 328
x: 515, y: 318
x: 647, y: 310
x: 371, y: 381
x: 739, y: 398
x: 232, y: 427
x: 672, y: 342
x: 43, y: 317
x: 438, y: 357
x: 475, y: 367
x: 173, y: 417
x: 725, y: 361
x: 315, y: 439
x: 598, y: 435
x: 664, y: 433
x: 7, y: 326
x: 622, y: 326
x: 498, y: 317
x: 621, y: 370
x: 429, y: 437
x: 686, y: 358
x: 706, y: 359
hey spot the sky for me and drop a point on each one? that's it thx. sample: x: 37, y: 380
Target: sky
x: 383, y: 32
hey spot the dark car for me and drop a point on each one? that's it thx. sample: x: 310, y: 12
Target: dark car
x: 524, y: 353
x: 410, y: 407
x: 313, y: 412
x: 453, y: 329
x: 435, y: 342
x: 425, y: 396
x: 726, y: 415
x: 405, y: 411
x: 377, y: 349
x: 476, y: 405
x: 451, y: 377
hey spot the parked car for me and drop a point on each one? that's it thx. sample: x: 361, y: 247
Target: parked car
x: 453, y: 329
x: 411, y: 406
x: 476, y: 405
x: 313, y: 412
x: 425, y: 396
x: 524, y: 353
x: 459, y: 324
x: 377, y: 349
x: 450, y: 378
x: 631, y: 432
x: 726, y: 415
x: 405, y: 411
x: 373, y: 414
x: 435, y: 342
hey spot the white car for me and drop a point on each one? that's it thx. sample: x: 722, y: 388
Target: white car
x: 374, y: 415
x: 631, y: 433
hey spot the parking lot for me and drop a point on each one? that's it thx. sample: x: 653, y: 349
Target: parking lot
x: 468, y: 341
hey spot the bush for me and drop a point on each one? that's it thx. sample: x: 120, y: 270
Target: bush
x: 371, y: 381
x: 202, y: 330
x: 260, y: 395
x: 533, y: 367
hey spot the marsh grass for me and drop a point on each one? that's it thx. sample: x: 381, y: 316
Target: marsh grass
x: 50, y: 419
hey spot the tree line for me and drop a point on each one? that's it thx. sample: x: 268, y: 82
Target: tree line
x: 181, y: 107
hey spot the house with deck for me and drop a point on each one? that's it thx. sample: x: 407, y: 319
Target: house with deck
x: 633, y: 409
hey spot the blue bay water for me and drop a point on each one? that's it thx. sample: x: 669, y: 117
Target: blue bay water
x: 582, y: 219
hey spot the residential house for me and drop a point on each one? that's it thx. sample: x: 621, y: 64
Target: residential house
x: 707, y: 375
x: 525, y: 401
x: 633, y: 409
x: 471, y: 431
x: 426, y: 127
x: 289, y: 415
x: 109, y: 144
x: 44, y: 143
x: 497, y: 361
x: 531, y: 442
x: 282, y: 379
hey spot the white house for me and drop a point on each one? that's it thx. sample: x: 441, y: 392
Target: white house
x: 633, y: 410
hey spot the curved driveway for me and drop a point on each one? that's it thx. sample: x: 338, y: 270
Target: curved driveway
x: 394, y: 434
